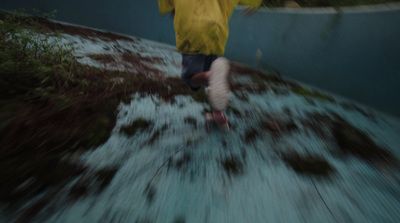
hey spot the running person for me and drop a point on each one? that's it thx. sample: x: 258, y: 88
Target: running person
x: 201, y: 31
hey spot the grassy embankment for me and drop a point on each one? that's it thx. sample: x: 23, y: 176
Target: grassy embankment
x: 53, y: 107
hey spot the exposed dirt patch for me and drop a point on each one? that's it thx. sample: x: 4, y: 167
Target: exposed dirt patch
x: 250, y: 135
x: 349, y: 139
x: 104, y: 176
x: 279, y: 126
x: 232, y: 165
x: 191, y: 120
x: 353, y: 141
x: 258, y: 76
x: 143, y: 65
x: 103, y: 58
x: 319, y: 124
x: 156, y: 135
x: 311, y: 165
x: 92, y: 182
x: 137, y: 125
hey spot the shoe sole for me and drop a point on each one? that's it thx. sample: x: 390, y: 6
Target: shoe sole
x: 219, y: 88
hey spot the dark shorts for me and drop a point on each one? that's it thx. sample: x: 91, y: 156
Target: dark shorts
x: 193, y: 64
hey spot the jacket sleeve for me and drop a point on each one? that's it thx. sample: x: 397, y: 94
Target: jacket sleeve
x: 253, y: 3
x: 165, y: 6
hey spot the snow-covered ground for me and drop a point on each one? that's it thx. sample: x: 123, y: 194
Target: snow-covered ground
x: 192, y: 172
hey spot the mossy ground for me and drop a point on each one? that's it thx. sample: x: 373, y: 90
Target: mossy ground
x: 53, y: 106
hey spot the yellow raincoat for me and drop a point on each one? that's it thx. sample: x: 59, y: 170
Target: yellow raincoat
x: 201, y: 26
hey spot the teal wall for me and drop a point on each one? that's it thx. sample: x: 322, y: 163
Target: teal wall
x: 354, y: 53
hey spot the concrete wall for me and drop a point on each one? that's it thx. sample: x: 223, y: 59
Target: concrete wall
x: 354, y: 53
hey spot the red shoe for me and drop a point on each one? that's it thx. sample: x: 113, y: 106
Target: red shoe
x: 220, y: 120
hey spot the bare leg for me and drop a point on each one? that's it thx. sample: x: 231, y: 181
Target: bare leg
x: 200, y: 79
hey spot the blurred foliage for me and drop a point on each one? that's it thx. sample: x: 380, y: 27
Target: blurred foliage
x: 312, y: 94
x: 325, y: 3
x: 31, y: 65
x: 50, y: 106
x: 54, y: 108
x: 40, y: 80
